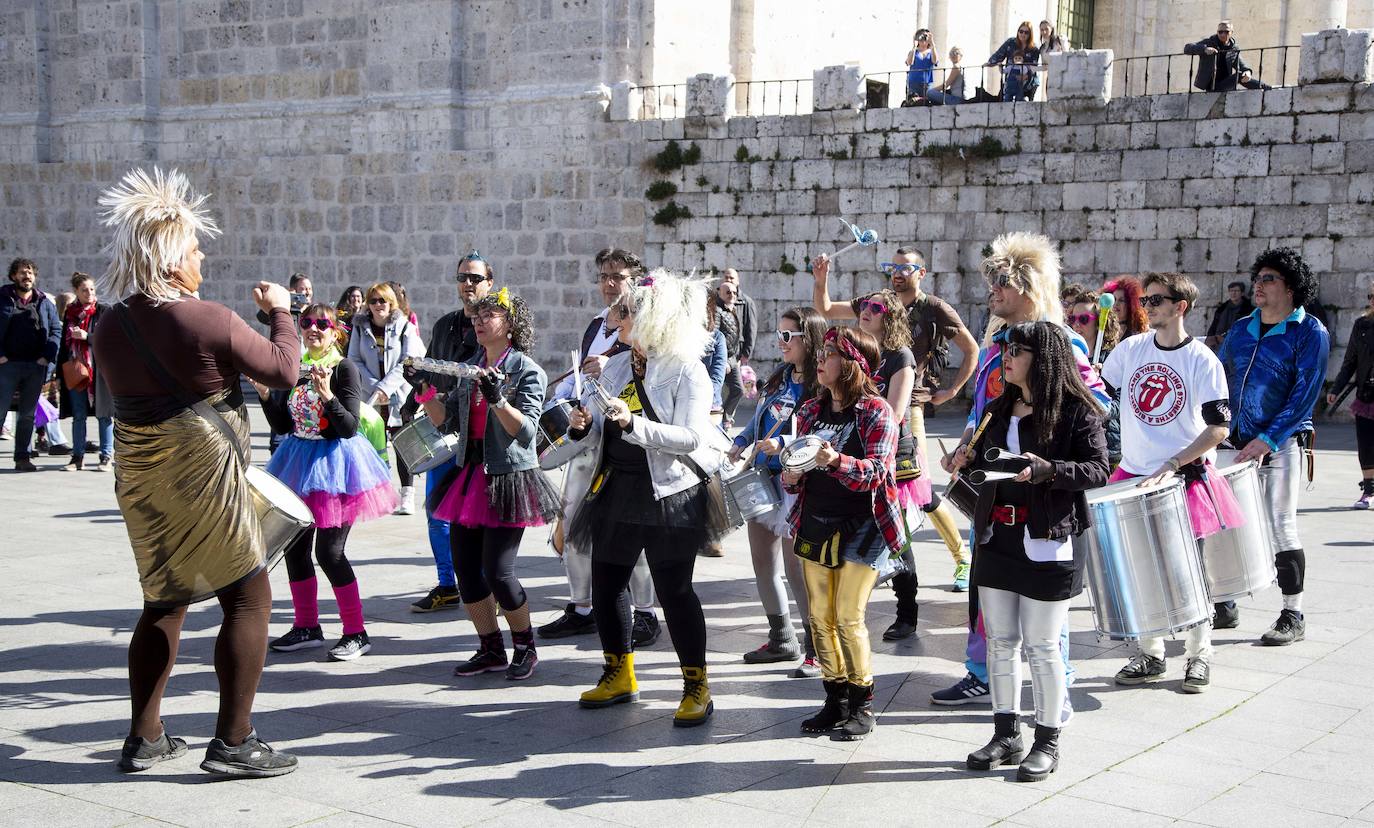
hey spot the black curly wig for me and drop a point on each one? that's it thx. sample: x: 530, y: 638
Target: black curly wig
x: 521, y: 319
x: 1295, y: 272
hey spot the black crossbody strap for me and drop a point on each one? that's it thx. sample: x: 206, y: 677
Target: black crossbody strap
x: 649, y: 412
x: 176, y: 389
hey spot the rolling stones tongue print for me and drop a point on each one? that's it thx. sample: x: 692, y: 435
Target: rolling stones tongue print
x: 1157, y: 393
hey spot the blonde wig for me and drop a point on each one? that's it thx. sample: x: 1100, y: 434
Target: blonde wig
x: 670, y: 315
x: 154, y: 217
x: 1030, y: 264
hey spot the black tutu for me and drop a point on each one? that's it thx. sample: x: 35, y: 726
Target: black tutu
x: 628, y: 498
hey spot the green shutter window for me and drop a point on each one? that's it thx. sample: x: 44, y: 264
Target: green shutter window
x: 1076, y: 23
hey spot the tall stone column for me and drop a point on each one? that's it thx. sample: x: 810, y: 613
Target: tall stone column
x: 742, y: 48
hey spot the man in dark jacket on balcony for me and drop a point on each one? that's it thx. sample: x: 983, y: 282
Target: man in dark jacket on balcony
x: 1220, y: 67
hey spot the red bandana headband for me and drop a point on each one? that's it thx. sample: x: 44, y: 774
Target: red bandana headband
x: 847, y: 348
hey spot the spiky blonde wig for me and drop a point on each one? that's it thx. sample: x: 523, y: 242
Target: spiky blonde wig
x: 670, y: 315
x: 154, y: 217
x: 1031, y: 264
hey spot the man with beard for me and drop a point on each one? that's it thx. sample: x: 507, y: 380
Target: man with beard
x: 30, y: 334
x: 454, y: 340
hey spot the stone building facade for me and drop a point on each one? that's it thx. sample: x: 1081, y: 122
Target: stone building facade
x: 360, y: 141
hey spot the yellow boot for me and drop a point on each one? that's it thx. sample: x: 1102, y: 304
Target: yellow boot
x: 696, y: 704
x: 617, y: 683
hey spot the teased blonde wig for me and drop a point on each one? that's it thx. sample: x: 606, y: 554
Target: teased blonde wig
x: 154, y: 218
x: 1031, y: 265
x: 670, y: 315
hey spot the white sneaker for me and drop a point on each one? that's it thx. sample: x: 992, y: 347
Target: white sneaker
x: 407, y: 506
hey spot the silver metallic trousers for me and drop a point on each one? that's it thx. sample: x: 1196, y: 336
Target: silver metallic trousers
x: 1013, y: 621
x: 1282, y: 479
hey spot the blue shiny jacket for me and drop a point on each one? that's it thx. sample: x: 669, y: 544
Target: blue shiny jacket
x: 1275, y: 379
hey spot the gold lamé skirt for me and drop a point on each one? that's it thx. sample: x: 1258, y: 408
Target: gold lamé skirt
x: 187, y: 506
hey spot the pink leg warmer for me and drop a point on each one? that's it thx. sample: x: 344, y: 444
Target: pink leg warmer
x: 306, y: 603
x: 350, y: 607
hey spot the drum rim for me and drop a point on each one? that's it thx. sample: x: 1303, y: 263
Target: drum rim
x: 810, y: 443
x: 271, y: 489
x: 1113, y: 492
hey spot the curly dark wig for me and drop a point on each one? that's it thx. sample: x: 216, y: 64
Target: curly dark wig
x: 1053, y: 374
x: 1295, y: 272
x: 520, y: 316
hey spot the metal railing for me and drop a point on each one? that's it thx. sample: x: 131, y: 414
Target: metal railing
x: 1270, y: 66
x: 665, y: 102
x: 773, y: 97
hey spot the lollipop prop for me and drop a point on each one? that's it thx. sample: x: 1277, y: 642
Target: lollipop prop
x: 1104, y: 307
x: 862, y: 238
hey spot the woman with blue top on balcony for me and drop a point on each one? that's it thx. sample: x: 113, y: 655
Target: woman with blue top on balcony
x: 801, y: 334
x: 921, y: 62
x: 1018, y: 57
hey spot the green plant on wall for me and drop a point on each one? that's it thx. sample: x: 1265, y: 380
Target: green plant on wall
x: 660, y: 190
x: 674, y: 157
x: 988, y: 147
x: 785, y: 267
x: 669, y: 214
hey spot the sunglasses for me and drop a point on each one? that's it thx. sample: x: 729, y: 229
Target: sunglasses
x: 621, y: 311
x: 1083, y: 319
x: 1155, y: 301
x: 378, y: 300
x: 1016, y: 349
x: 1266, y: 278
x: 319, y: 323
x: 872, y: 306
x: 471, y: 278
x: 893, y: 269
x: 787, y: 336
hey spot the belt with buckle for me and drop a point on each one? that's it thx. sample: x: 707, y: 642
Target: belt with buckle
x: 1009, y: 515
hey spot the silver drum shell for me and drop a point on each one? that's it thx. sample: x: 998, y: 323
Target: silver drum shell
x: 423, y: 446
x: 1239, y: 562
x: 1142, y: 565
x: 754, y: 492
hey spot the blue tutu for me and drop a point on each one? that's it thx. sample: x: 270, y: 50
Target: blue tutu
x: 342, y: 481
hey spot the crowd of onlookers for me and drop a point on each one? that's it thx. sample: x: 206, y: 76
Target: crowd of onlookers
x: 1024, y: 57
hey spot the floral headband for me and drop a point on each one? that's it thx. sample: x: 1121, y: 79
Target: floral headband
x: 847, y: 348
x: 503, y: 299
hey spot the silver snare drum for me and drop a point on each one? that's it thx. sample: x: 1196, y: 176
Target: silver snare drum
x: 1238, y: 562
x: 1142, y: 564
x: 282, y: 515
x: 422, y: 446
x: 754, y: 492
x: 800, y: 455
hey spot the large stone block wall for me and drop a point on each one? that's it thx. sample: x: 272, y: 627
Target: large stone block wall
x: 1197, y: 183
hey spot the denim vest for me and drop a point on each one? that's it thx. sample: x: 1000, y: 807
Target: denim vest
x: 523, y: 388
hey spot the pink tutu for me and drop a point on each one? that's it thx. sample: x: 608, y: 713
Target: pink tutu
x: 331, y: 510
x: 917, y: 492
x: 1208, y: 516
x: 518, y: 499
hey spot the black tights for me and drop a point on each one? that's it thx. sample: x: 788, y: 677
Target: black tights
x: 484, y: 561
x: 1364, y: 441
x: 240, y: 649
x: 673, y: 584
x: 329, y: 551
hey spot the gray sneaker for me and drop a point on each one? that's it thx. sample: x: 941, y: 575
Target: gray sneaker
x: 252, y: 759
x: 1198, y: 677
x: 140, y: 754
x: 1141, y: 669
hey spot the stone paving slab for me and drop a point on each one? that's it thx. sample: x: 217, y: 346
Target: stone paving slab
x: 395, y: 739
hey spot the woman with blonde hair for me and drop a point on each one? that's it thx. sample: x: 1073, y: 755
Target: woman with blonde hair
x: 172, y: 361
x: 382, y: 338
x: 656, y: 450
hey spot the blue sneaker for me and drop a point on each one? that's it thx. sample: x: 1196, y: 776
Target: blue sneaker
x: 969, y: 690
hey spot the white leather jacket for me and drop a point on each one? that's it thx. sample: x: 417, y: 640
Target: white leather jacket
x: 680, y: 394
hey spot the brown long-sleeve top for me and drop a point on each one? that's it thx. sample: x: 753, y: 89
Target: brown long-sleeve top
x: 203, y: 344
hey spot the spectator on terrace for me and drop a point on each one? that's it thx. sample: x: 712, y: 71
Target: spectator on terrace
x: 951, y: 92
x: 1220, y: 67
x: 1237, y: 304
x: 921, y: 62
x: 1018, y: 58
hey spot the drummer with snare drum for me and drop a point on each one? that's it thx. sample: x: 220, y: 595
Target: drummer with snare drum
x: 1174, y: 412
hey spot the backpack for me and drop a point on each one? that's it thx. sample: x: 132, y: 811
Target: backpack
x: 921, y: 316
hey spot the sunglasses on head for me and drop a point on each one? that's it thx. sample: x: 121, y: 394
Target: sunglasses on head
x: 319, y: 323
x: 471, y: 278
x: 788, y: 336
x: 1156, y: 300
x: 872, y: 306
x: 1083, y: 318
x: 894, y: 269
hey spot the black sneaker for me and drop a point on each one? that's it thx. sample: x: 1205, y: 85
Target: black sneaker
x: 482, y: 661
x: 351, y: 646
x: 522, y: 664
x: 60, y: 451
x: 252, y: 759
x: 439, y: 598
x: 1140, y: 669
x: 969, y: 690
x: 1289, y: 627
x: 140, y: 754
x: 300, y: 638
x: 1198, y: 677
x: 570, y: 623
x: 1227, y: 616
x: 646, y: 630
x: 899, y: 630
x: 24, y: 464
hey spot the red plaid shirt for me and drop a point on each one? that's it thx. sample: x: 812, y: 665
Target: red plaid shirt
x: 874, y: 472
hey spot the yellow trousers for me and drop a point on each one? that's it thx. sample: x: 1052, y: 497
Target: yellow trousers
x: 839, y: 598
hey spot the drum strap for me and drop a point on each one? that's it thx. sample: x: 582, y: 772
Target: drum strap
x: 159, y: 371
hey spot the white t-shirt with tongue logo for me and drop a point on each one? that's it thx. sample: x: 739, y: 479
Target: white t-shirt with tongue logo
x: 1162, y: 393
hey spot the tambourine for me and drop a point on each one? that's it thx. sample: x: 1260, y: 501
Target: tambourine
x: 800, y: 456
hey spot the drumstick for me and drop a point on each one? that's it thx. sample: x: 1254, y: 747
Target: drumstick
x: 1104, y: 307
x: 616, y: 348
x: 754, y: 449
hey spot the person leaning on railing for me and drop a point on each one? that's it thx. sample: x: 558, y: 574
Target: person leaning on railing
x: 1018, y: 56
x: 950, y: 92
x: 1220, y: 67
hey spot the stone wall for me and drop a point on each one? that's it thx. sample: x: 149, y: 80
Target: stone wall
x: 1198, y: 183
